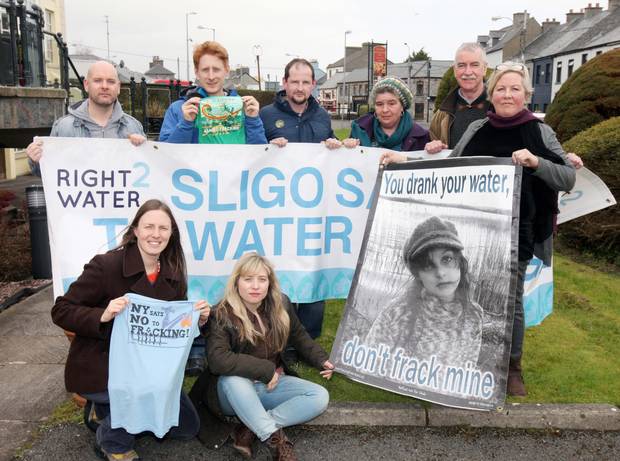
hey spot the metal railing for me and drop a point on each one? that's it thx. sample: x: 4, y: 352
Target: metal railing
x: 22, y: 62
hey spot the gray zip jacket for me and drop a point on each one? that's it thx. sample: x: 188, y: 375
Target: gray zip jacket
x: 78, y: 124
x: 557, y: 177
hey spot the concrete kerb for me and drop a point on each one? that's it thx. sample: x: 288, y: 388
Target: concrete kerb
x: 596, y: 417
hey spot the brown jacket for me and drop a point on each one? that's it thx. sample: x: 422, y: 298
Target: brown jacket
x: 227, y: 356
x: 105, y: 277
x: 443, y: 118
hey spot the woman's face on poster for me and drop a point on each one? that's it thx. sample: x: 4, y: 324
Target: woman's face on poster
x: 442, y: 275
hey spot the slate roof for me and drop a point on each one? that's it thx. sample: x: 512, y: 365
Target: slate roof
x: 508, y: 33
x: 159, y: 69
x: 584, y: 32
x: 356, y: 60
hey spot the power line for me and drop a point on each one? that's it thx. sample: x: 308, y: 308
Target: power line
x: 149, y: 56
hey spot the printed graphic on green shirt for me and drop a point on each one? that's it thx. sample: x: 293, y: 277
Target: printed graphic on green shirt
x: 221, y: 120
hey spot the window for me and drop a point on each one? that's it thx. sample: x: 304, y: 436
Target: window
x: 558, y: 73
x: 548, y: 72
x: 545, y: 108
x: 419, y: 88
x: 49, y: 45
x: 535, y: 109
x: 418, y: 109
x: 537, y: 74
x: 4, y: 23
x: 584, y: 58
x: 571, y: 65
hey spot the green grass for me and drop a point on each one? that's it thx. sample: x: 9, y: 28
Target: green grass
x: 572, y: 357
x: 342, y: 133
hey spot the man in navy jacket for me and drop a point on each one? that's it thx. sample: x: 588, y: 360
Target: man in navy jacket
x: 295, y: 116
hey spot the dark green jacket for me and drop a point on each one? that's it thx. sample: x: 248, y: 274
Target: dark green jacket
x: 227, y: 356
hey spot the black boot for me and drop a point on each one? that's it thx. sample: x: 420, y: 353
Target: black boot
x: 515, y: 386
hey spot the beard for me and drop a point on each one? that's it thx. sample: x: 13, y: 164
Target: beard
x: 103, y: 102
x: 299, y: 99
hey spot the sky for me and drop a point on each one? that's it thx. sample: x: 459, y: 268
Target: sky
x: 283, y: 29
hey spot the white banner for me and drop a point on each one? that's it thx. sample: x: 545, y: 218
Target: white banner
x: 589, y: 195
x: 303, y: 206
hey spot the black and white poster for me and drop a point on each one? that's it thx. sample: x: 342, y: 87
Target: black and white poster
x: 430, y: 310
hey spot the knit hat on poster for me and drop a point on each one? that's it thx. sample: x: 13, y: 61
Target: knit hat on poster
x: 431, y: 233
x: 397, y: 86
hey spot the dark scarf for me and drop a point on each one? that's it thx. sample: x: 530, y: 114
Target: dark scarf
x: 395, y: 140
x: 510, y: 122
x: 500, y: 137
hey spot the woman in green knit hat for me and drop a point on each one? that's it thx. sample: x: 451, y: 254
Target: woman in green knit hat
x: 389, y: 123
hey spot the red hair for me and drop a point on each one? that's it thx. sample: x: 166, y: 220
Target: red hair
x: 212, y: 48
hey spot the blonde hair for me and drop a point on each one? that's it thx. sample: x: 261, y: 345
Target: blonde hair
x: 505, y: 68
x: 233, y: 310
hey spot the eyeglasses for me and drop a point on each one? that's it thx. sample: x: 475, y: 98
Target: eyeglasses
x: 511, y: 66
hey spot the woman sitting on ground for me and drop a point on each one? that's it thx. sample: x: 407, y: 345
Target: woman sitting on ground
x: 247, y: 376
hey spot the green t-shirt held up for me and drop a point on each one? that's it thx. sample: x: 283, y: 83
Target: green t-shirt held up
x: 221, y: 120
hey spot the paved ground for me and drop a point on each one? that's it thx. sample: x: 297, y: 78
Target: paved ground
x: 32, y: 356
x: 327, y: 443
x: 33, y: 351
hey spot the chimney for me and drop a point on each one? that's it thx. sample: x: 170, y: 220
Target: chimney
x: 571, y: 16
x: 590, y: 10
x: 548, y: 25
x: 519, y: 18
x: 483, y: 40
x: 156, y: 61
x: 613, y: 4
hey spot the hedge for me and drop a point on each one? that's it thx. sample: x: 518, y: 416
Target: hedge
x: 598, y: 232
x: 589, y: 96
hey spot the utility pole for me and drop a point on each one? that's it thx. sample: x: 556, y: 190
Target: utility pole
x: 187, y: 15
x: 107, y: 30
x: 258, y: 50
x: 428, y: 89
x: 344, y: 74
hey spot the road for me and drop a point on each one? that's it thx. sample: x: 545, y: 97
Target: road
x: 74, y: 442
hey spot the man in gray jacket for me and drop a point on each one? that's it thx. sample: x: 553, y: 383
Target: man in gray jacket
x: 99, y: 116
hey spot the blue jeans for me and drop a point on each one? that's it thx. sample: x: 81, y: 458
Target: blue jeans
x: 120, y: 441
x: 293, y: 401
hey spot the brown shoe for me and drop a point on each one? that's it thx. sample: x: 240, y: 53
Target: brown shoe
x: 281, y: 447
x: 515, y: 386
x: 242, y: 440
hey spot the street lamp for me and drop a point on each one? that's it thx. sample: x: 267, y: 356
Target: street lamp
x: 344, y: 69
x: 521, y: 33
x: 107, y: 32
x: 208, y: 28
x: 409, y: 61
x: 258, y: 50
x: 187, y: 15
